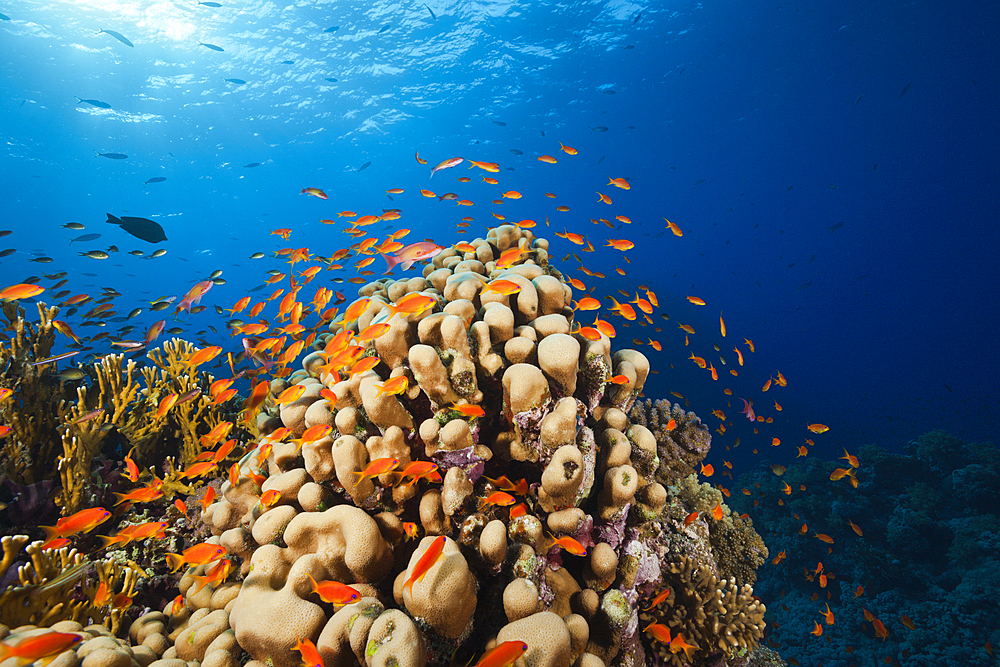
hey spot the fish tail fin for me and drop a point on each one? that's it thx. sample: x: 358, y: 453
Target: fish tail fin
x: 50, y: 534
x: 113, y: 220
x: 175, y: 561
x: 391, y: 263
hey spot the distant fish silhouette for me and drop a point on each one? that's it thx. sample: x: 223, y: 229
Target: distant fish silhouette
x: 212, y: 46
x: 156, y: 179
x: 113, y: 156
x: 236, y: 81
x: 287, y: 62
x: 94, y: 103
x: 637, y: 17
x: 699, y: 181
x: 599, y: 128
x: 210, y: 4
x: 905, y: 88
x: 333, y: 28
x: 364, y: 166
x: 330, y: 79
x: 433, y: 15
x: 4, y: 17
x: 85, y: 237
x: 383, y: 29
x: 251, y: 165
x: 141, y: 228
x: 117, y: 35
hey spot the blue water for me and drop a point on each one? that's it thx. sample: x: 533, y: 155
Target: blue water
x: 833, y: 167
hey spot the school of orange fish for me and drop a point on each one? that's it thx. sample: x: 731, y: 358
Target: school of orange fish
x: 270, y: 344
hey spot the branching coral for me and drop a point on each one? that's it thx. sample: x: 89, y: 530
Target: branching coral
x: 715, y: 615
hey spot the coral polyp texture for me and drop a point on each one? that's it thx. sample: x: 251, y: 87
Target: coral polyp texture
x: 459, y: 469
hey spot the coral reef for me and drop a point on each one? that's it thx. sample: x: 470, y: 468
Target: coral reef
x: 451, y: 468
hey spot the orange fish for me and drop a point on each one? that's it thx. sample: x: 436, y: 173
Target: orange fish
x: 828, y: 615
x: 21, y: 291
x: 468, y: 409
x: 151, y: 491
x: 334, y: 592
x: 818, y: 630
x: 823, y: 538
x: 707, y: 470
x: 818, y: 428
x: 498, y: 498
x: 696, y: 300
x: 378, y: 467
x: 81, y: 522
x: 717, y: 512
x: 547, y: 158
x: 165, y: 404
x: 839, y: 474
x: 678, y: 644
x: 908, y: 622
x: 569, y: 544
x: 620, y: 244
x: 604, y: 198
x: 658, y: 631
x: 431, y: 556
x: 880, y: 630
x: 315, y: 192
x: 503, y: 655
x: 660, y: 597
x: 38, y: 646
x: 855, y: 528
x: 291, y: 394
x: 850, y: 458
x: 200, y: 554
x: 690, y: 518
x: 394, y: 386
x: 309, y: 652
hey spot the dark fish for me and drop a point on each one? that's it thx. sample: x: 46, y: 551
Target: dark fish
x: 812, y: 259
x: 859, y: 99
x: 141, y: 228
x: 117, y: 35
x: 113, y: 248
x: 5, y: 232
x: 4, y: 17
x: 85, y: 237
x: 949, y: 389
x: 905, y: 88
x: 156, y: 179
x: 433, y: 15
x: 113, y: 156
x: 156, y: 253
x: 334, y: 28
x: 789, y: 188
x: 95, y: 254
x: 7, y: 252
x: 287, y: 62
x: 835, y: 227
x: 251, y: 165
x: 330, y: 79
x: 212, y: 46
x: 71, y: 374
x: 608, y: 92
x: 500, y: 123
x: 383, y: 29
x: 236, y: 81
x: 630, y: 47
x: 599, y: 161
x: 637, y: 17
x: 790, y: 265
x: 257, y: 255
x: 74, y: 226
x: 210, y: 4
x: 136, y: 253
x: 516, y: 152
x: 364, y: 166
x: 41, y: 260
x: 599, y: 128
x: 699, y: 181
x: 806, y: 284
x: 875, y: 166
x: 95, y: 103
